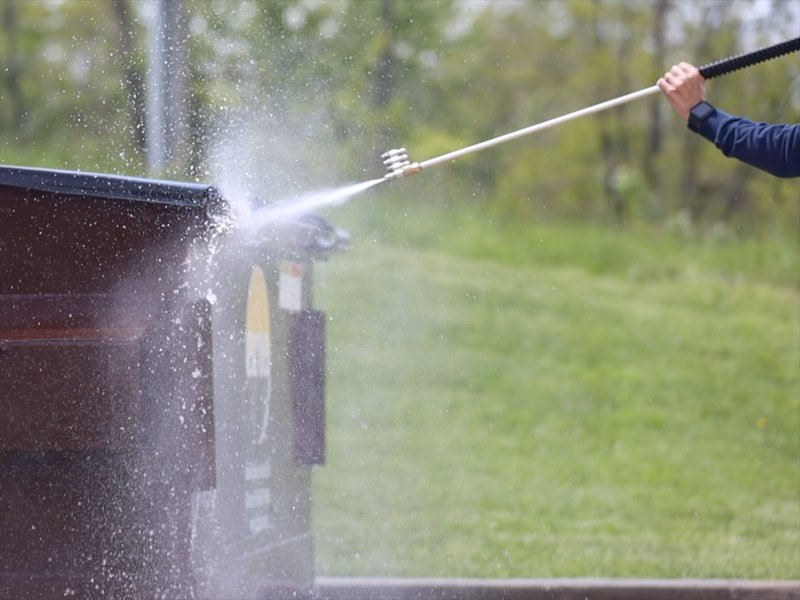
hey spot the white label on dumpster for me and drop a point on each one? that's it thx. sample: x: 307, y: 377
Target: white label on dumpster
x: 290, y: 286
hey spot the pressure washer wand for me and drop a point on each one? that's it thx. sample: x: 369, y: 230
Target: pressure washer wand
x: 399, y: 164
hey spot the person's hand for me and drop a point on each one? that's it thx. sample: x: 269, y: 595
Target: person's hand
x: 684, y: 87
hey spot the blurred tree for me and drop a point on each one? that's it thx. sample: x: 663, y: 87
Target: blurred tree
x: 13, y: 113
x: 655, y: 134
x: 131, y: 64
x: 310, y: 90
x: 635, y: 161
x: 65, y: 82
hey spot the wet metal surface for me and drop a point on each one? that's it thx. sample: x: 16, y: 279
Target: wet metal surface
x: 365, y: 588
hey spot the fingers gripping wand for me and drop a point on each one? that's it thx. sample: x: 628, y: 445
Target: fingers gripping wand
x: 399, y: 164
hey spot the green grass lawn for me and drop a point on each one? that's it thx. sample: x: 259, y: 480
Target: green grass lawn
x: 557, y: 401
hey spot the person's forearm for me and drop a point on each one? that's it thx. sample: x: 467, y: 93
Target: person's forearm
x: 772, y: 148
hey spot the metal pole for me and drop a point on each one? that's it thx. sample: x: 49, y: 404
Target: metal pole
x: 155, y: 94
x: 166, y: 87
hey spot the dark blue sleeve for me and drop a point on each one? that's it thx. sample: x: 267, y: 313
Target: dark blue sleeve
x: 772, y: 148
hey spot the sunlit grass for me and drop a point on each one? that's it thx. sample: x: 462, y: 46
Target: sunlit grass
x: 497, y: 415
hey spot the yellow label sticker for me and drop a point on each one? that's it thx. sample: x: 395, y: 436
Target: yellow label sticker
x: 258, y: 496
x: 258, y: 351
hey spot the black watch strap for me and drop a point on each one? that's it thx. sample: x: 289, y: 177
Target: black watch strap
x: 699, y: 113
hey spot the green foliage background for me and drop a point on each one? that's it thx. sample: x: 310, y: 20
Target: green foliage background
x: 343, y: 80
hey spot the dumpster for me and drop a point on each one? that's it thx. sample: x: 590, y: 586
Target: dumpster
x: 161, y: 392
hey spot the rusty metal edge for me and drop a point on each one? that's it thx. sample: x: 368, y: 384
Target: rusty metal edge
x: 378, y: 588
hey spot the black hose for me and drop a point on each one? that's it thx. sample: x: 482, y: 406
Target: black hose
x: 740, y: 61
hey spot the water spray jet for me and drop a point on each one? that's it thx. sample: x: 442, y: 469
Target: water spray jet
x: 399, y: 164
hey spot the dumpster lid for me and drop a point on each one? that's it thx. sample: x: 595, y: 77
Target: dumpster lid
x: 117, y: 187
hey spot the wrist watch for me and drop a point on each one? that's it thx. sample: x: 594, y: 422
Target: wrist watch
x: 699, y: 113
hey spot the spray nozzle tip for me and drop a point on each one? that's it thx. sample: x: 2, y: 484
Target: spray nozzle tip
x: 398, y: 163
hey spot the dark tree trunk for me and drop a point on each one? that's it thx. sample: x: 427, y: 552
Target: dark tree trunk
x: 133, y: 79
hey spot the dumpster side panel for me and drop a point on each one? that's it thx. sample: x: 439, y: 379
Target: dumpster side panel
x: 94, y: 431
x: 70, y: 396
x: 252, y: 533
x: 52, y: 243
x: 307, y: 385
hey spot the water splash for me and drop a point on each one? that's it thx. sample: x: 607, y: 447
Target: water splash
x: 287, y: 210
